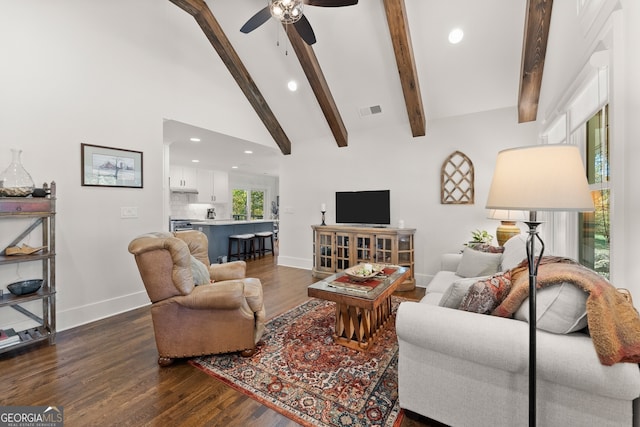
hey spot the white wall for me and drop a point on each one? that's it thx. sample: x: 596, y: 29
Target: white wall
x: 629, y: 89
x: 410, y: 168
x: 86, y: 72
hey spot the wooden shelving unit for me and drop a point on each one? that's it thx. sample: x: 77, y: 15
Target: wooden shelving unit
x: 43, y: 211
x: 338, y: 247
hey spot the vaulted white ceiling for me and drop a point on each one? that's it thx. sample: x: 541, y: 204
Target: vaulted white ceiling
x: 356, y: 55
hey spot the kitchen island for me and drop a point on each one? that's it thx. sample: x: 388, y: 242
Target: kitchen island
x: 219, y: 230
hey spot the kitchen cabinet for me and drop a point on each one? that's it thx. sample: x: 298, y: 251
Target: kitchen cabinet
x: 213, y: 186
x: 41, y: 211
x: 220, y: 186
x: 205, y: 186
x: 182, y: 178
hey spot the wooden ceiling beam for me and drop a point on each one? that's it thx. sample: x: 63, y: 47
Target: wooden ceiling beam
x: 218, y: 39
x: 534, y: 50
x: 405, y: 60
x: 315, y: 76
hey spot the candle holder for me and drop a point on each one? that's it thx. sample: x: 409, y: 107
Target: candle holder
x: 323, y: 212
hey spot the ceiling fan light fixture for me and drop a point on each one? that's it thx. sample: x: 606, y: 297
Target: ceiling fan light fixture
x: 286, y: 11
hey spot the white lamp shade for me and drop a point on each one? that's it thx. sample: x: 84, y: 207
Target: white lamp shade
x: 506, y: 215
x: 540, y: 178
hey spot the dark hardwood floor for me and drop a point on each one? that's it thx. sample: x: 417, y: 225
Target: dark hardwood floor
x: 105, y: 373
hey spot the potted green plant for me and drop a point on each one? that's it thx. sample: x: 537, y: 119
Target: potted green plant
x: 479, y: 238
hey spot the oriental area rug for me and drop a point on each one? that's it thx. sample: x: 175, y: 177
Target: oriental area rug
x: 299, y: 372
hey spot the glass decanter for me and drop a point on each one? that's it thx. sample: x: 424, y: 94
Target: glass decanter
x: 15, y: 181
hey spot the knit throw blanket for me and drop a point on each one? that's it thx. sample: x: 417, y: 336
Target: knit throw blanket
x: 614, y: 324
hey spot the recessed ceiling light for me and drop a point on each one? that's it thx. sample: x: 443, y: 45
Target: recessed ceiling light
x: 248, y: 152
x: 234, y: 167
x: 195, y: 161
x: 292, y: 85
x: 456, y: 35
x: 194, y: 139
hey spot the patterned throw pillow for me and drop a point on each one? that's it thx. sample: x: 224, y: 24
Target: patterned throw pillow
x: 485, y: 295
x: 485, y: 247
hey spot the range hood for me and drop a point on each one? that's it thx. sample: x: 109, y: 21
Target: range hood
x: 184, y: 190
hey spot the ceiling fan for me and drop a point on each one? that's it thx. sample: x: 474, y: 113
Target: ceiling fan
x: 290, y: 12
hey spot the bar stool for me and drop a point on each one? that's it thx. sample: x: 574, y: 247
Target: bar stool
x: 262, y: 236
x: 244, y: 245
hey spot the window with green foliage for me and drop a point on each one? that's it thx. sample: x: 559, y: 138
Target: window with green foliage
x: 248, y: 204
x: 240, y: 198
x: 595, y: 226
x: 257, y: 204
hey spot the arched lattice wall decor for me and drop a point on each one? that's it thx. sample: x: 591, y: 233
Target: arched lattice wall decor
x: 457, y: 180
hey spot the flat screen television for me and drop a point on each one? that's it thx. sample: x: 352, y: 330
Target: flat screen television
x: 363, y: 207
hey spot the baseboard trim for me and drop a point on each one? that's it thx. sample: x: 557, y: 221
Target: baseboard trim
x: 76, y: 316
x: 303, y: 263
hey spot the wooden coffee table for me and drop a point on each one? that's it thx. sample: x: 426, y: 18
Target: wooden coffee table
x: 360, y: 315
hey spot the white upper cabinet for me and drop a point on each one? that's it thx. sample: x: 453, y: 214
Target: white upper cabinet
x: 213, y: 186
x: 181, y: 178
x: 205, y: 186
x: 220, y: 187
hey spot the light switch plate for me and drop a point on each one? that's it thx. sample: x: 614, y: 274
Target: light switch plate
x: 129, y: 212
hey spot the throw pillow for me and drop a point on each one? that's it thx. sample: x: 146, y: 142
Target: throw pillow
x: 477, y: 263
x: 560, y: 309
x: 199, y: 271
x: 515, y: 251
x: 454, y: 294
x: 485, y: 295
x: 485, y: 247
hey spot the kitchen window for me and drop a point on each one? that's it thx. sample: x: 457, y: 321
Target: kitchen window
x: 248, y: 204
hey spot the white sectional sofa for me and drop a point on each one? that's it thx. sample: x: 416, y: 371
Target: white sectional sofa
x: 467, y: 369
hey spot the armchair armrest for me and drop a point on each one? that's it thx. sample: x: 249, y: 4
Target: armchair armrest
x: 226, y: 295
x: 229, y: 271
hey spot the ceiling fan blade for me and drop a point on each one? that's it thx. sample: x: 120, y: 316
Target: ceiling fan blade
x: 304, y: 29
x: 256, y: 20
x: 331, y: 3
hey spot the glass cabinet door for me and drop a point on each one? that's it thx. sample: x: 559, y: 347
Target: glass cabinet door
x: 384, y: 250
x: 323, y: 247
x: 343, y: 251
x: 364, y: 250
x: 405, y: 250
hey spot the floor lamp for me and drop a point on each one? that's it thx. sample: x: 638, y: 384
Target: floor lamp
x: 538, y: 178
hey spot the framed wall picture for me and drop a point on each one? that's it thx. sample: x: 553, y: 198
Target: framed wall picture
x: 111, y: 167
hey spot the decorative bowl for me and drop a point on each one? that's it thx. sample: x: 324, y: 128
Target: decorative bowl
x: 362, y: 272
x: 25, y: 287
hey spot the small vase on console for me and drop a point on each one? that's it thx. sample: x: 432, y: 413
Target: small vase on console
x: 15, y: 181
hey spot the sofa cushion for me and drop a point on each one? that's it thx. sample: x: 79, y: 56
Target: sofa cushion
x: 199, y: 271
x: 485, y: 295
x: 560, y: 309
x: 477, y: 263
x: 454, y: 294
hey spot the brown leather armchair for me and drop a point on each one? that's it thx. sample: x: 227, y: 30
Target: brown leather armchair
x: 225, y: 316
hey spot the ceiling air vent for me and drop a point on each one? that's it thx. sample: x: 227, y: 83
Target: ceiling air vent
x: 367, y: 111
